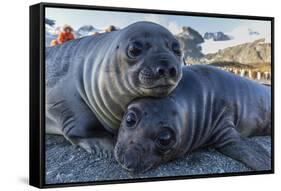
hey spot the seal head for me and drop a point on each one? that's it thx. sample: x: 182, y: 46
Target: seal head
x: 150, y: 134
x: 151, y: 57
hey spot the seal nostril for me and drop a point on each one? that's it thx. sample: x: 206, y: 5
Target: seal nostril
x: 173, y: 72
x: 160, y: 71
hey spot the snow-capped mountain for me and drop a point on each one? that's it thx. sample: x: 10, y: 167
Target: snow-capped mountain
x: 238, y: 36
x: 51, y: 31
x: 86, y: 30
x: 216, y: 36
x: 50, y: 22
x: 252, y: 32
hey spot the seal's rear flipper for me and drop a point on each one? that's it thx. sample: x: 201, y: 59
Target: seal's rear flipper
x: 248, y: 152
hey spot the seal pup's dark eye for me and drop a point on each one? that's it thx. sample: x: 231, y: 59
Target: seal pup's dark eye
x: 131, y: 119
x: 176, y: 48
x: 165, y: 139
x: 135, y: 49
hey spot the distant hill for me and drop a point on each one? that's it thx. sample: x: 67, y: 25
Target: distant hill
x: 252, y: 54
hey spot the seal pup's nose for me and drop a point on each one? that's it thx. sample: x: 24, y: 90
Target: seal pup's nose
x: 131, y: 160
x: 166, y: 71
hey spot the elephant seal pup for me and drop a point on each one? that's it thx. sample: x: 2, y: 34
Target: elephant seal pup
x: 209, y: 107
x: 90, y: 81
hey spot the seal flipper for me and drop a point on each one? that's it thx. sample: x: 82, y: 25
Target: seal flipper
x: 229, y: 142
x: 248, y: 152
x: 80, y: 127
x: 101, y: 145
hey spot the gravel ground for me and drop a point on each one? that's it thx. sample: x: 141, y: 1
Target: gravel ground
x: 66, y: 163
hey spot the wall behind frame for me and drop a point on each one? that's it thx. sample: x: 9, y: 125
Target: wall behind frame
x: 14, y: 75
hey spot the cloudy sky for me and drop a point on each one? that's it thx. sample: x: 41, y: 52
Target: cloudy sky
x: 237, y: 28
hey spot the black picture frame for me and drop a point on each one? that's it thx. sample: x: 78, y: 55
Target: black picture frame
x: 37, y: 92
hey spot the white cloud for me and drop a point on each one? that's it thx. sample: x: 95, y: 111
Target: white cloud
x: 153, y: 18
x: 172, y: 26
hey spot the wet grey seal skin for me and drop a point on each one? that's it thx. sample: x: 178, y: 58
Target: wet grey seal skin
x: 90, y: 81
x: 209, y: 107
